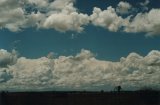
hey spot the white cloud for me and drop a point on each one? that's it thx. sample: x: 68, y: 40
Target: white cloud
x: 66, y: 20
x: 11, y: 15
x: 107, y: 19
x: 123, y: 7
x: 61, y: 4
x: 7, y: 58
x: 60, y: 15
x: 82, y: 71
x: 145, y: 22
x: 141, y: 22
x: 34, y: 19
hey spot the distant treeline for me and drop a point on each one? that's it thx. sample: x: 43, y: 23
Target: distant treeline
x: 141, y: 97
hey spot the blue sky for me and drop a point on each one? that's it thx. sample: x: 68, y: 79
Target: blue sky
x: 107, y: 45
x: 95, y: 44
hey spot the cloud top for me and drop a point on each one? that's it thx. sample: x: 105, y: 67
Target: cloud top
x: 123, y: 7
x: 145, y: 22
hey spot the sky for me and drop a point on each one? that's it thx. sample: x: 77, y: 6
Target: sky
x: 79, y: 44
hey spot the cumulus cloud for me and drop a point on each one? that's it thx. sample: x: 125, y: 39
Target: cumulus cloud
x: 107, y: 18
x: 123, y: 7
x: 145, y: 22
x: 60, y: 15
x: 11, y: 15
x: 4, y: 75
x: 65, y: 22
x: 67, y: 19
x: 82, y: 72
x: 7, y: 58
x: 14, y: 17
x: 61, y: 4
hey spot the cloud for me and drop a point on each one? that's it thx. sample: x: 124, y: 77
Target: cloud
x: 4, y: 75
x: 60, y: 15
x: 145, y: 22
x: 14, y: 17
x: 107, y: 19
x: 123, y: 7
x: 7, y: 58
x: 61, y: 4
x: 39, y: 3
x: 67, y: 20
x: 11, y: 15
x: 82, y: 72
